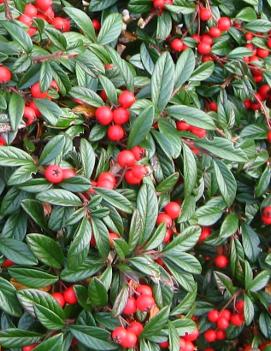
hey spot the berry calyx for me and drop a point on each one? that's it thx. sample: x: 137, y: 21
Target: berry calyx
x: 59, y: 298
x: 138, y: 152
x: 104, y: 115
x: 54, y: 174
x: 70, y: 296
x: 126, y: 98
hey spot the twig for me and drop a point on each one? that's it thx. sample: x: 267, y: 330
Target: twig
x: 7, y: 10
x: 54, y: 56
x: 264, y: 110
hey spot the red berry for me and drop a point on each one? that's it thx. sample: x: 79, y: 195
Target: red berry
x: 240, y: 304
x: 182, y: 125
x: 173, y: 209
x: 59, y: 298
x: 224, y: 24
x: 54, y: 174
x: 247, y: 104
x: 159, y: 4
x: 107, y: 176
x: 130, y: 307
x: 177, y: 45
x: 237, y: 320
x: 115, y: 133
x: 266, y: 215
x: 215, y: 32
x: 112, y: 238
x: 103, y: 95
x: 129, y: 341
x: 207, y: 58
x: 269, y: 43
x: 225, y: 314
x: 62, y: 24
x: 29, y: 115
x: 209, y: 349
x: 30, y: 10
x: 126, y: 158
x: 213, y: 316
x: 68, y: 173
x: 221, y: 261
x: 7, y: 263
x: 139, y: 171
x: 204, y: 48
x: 131, y: 179
x: 205, y: 233
x: 192, y: 336
x: 144, y: 303
x: 70, y: 296
x: 164, y: 218
x: 37, y: 93
x: 104, y: 115
x: 164, y: 345
x: 34, y: 107
x: 199, y: 132
x: 269, y: 136
x: 119, y: 334
x: 222, y: 323
x: 25, y: 20
x: 135, y: 328
x: 126, y: 98
x: 96, y: 24
x: 205, y: 14
x: 106, y: 184
x: 143, y: 289
x: 29, y: 347
x: 205, y: 38
x: 210, y: 335
x: 220, y: 335
x: 186, y: 345
x: 138, y: 152
x: 168, y: 236
x: 262, y: 53
x: 196, y: 37
x: 213, y: 106
x: 264, y: 91
x: 121, y: 115
x: 43, y: 5
x: 249, y: 36
x: 5, y: 74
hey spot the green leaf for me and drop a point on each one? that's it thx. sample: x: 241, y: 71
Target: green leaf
x: 98, y: 5
x: 141, y: 127
x: 168, y: 184
x: 59, y: 197
x: 32, y: 278
x: 87, y: 96
x: 184, y: 241
x: 190, y: 170
x: 248, y: 310
x: 264, y: 323
x: 94, y: 337
x: 109, y: 89
x: 11, y: 156
x: 8, y: 299
x: 87, y: 157
x: 76, y: 184
x: 164, y: 26
x: 46, y: 249
x: 52, y: 149
x: 46, y: 76
x: 157, y: 238
x: 162, y: 81
x: 226, y: 181
x: 192, y: 116
x: 82, y: 21
x: 79, y: 246
x: 202, y: 72
x: 18, y: 34
x: 186, y: 262
x: 22, y: 174
x: 111, y: 29
x: 211, y: 211
x: 17, y: 251
x: 186, y: 304
x: 184, y: 67
x: 16, y: 110
x: 11, y: 338
x: 34, y: 209
x: 47, y: 318
x: 115, y: 199
x: 97, y: 294
x: 259, y: 282
x: 174, y: 339
x: 263, y: 183
x: 49, y: 109
x: 259, y: 25
x: 251, y: 242
x: 229, y: 226
x: 156, y: 323
x: 147, y: 206
x: 54, y: 343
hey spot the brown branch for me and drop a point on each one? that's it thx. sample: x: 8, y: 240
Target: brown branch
x: 55, y: 56
x: 264, y: 110
x: 7, y: 10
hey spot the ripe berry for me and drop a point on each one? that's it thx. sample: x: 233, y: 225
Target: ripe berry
x: 104, y: 115
x: 129, y: 341
x: 37, y: 93
x: 144, y: 303
x: 164, y: 218
x: 240, y: 306
x: 222, y: 323
x: 115, y: 133
x: 221, y: 261
x: 96, y: 24
x: 59, y: 298
x: 212, y: 106
x: 205, y: 14
x: 126, y: 98
x: 220, y: 334
x: 224, y: 24
x: 264, y: 91
x: 225, y: 314
x: 269, y: 136
x: 135, y: 328
x: 177, y: 45
x: 192, y: 336
x: 186, y: 345
x: 34, y: 107
x: 43, y: 5
x: 164, y: 345
x: 139, y: 171
x: 5, y: 74
x: 126, y: 158
x: 29, y: 115
x: 210, y: 335
x: 29, y: 347
x: 131, y: 179
x: 112, y: 238
x: 138, y: 152
x: 130, y: 307
x: 182, y: 125
x: 159, y: 4
x: 237, y: 320
x: 262, y: 53
x: 173, y: 209
x: 209, y: 349
x: 106, y: 184
x: 143, y: 289
x: 119, y: 334
x: 207, y: 58
x: 199, y: 132
x: 205, y: 38
x: 196, y: 37
x: 213, y: 316
x: 107, y: 176
x: 30, y: 10
x: 214, y: 32
x: 25, y: 20
x: 7, y: 263
x: 68, y: 173
x: 168, y: 236
x: 54, y: 174
x: 62, y: 24
x: 121, y: 115
x: 205, y: 233
x: 249, y: 36
x: 204, y: 48
x: 103, y: 95
x: 269, y: 43
x: 70, y: 296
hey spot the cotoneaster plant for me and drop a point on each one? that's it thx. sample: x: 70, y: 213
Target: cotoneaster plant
x: 135, y: 175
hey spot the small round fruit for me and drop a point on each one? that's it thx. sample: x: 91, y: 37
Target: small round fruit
x: 62, y: 24
x: 54, y: 174
x: 212, y: 106
x: 220, y: 335
x: 269, y: 43
x: 126, y: 98
x: 104, y: 115
x: 106, y: 184
x: 249, y: 36
x: 262, y: 53
x: 168, y: 236
x: 30, y: 10
x: 107, y: 176
x: 37, y: 93
x: 144, y: 289
x: 144, y: 303
x: 221, y: 261
x: 205, y: 38
x: 205, y: 233
x: 237, y: 319
x: 121, y: 115
x: 225, y: 314
x: 205, y: 14
x: 240, y: 305
x: 126, y: 158
x: 222, y: 323
x: 204, y: 48
x: 138, y: 152
x: 43, y: 5
x: 119, y: 334
x: 213, y: 316
x: 26, y: 20
x: 224, y: 24
x: 5, y: 74
x: 164, y: 345
x: 68, y: 173
x: 29, y: 115
x: 264, y: 91
x: 210, y: 335
x: 214, y: 32
x: 199, y: 132
x: 130, y: 307
x: 131, y: 179
x: 129, y: 341
x: 135, y: 327
x: 158, y: 4
x: 29, y: 347
x: 139, y: 171
x: 182, y: 126
x: 269, y: 136
x: 115, y: 133
x: 35, y: 108
x: 59, y: 298
x: 7, y: 263
x: 164, y: 218
x: 173, y: 209
x: 96, y: 24
x: 112, y: 238
x: 177, y: 45
x: 192, y: 336
x: 70, y: 296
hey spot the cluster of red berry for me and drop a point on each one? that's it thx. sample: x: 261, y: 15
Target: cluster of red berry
x: 142, y: 300
x: 56, y: 174
x: 186, y: 341
x: 160, y: 4
x: 183, y: 126
x: 120, y: 115
x: 127, y: 159
x: 171, y: 212
x: 223, y: 319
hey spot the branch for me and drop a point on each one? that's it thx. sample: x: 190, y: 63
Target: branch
x: 55, y: 56
x: 7, y: 10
